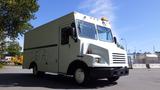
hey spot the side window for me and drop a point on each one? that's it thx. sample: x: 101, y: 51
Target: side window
x: 64, y: 36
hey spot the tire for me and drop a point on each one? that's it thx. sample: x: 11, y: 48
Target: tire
x: 41, y: 74
x: 81, y: 76
x: 113, y: 79
x: 35, y: 71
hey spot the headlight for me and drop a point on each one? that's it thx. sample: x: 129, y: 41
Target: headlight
x: 97, y: 60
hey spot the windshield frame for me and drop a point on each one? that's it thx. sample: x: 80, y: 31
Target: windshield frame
x: 96, y: 31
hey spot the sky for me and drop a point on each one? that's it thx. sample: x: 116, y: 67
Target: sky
x: 136, y: 23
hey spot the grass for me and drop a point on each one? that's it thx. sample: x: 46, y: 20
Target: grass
x: 1, y: 65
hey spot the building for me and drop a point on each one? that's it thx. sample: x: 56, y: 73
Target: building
x: 143, y: 58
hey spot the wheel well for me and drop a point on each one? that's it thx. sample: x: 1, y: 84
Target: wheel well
x: 74, y: 65
x: 32, y: 64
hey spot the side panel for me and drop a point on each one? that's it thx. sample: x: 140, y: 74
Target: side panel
x: 50, y: 56
x: 46, y: 58
x: 39, y: 46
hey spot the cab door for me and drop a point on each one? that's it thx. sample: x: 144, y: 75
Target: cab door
x: 68, y: 49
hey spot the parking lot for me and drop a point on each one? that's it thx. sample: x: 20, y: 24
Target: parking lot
x: 15, y: 78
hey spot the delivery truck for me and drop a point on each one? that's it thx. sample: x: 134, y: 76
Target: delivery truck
x: 75, y: 45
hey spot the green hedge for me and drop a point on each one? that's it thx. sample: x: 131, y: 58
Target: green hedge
x: 1, y: 65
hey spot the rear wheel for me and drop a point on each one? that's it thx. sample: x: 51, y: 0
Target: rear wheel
x: 113, y: 79
x: 81, y: 76
x: 35, y: 71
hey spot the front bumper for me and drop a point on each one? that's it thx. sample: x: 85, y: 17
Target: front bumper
x: 105, y: 72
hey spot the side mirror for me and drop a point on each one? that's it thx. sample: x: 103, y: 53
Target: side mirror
x: 72, y: 33
x: 115, y: 40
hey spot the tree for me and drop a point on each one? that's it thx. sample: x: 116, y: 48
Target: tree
x: 15, y: 16
x: 2, y: 48
x: 13, y: 48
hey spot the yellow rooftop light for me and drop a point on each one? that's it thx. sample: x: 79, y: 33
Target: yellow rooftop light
x: 104, y: 19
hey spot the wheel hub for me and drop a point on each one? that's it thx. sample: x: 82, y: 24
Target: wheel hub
x: 79, y: 75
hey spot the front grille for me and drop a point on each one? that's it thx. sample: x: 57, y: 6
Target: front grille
x: 118, y: 58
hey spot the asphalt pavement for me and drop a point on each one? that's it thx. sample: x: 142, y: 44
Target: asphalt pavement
x: 16, y: 78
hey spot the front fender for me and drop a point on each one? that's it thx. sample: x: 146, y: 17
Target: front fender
x: 89, y: 59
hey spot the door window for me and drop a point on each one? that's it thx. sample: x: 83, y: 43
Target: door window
x: 64, y: 36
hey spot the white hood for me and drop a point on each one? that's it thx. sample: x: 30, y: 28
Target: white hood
x: 109, y: 52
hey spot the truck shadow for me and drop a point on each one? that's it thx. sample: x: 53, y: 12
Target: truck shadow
x: 47, y: 81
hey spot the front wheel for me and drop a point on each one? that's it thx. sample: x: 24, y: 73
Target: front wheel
x: 81, y: 76
x: 113, y: 79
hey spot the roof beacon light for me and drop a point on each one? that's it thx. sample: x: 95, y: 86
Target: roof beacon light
x: 104, y: 19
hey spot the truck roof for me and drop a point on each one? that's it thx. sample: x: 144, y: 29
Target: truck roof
x: 81, y: 17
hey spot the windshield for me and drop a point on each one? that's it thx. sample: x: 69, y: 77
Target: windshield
x: 87, y: 29
x: 104, y: 34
